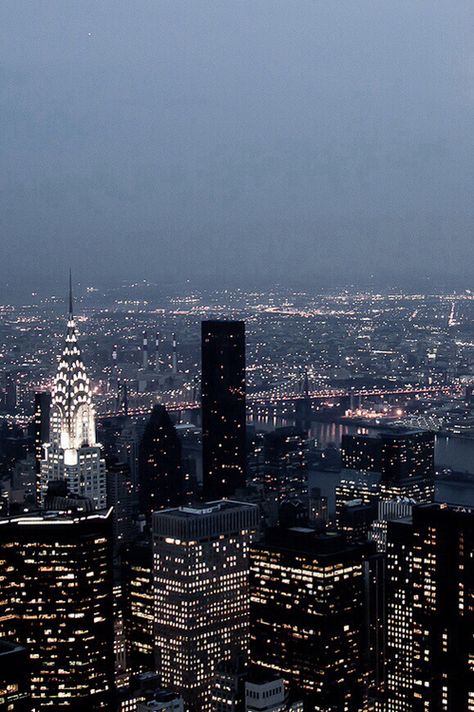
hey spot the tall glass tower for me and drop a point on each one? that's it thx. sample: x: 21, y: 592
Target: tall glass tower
x: 223, y: 407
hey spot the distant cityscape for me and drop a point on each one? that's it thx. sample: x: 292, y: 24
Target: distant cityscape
x: 237, y: 501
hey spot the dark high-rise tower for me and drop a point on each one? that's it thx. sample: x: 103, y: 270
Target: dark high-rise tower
x: 42, y: 409
x: 56, y: 599
x: 223, y: 407
x: 137, y: 578
x: 404, y: 458
x: 307, y: 594
x: 430, y: 615
x: 160, y: 471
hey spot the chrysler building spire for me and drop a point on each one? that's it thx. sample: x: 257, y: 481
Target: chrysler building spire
x: 72, y: 412
x: 70, y: 293
x: 73, y: 453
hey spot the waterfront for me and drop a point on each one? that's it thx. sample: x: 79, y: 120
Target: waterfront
x: 450, y: 452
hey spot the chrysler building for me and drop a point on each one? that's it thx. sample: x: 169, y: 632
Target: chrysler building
x: 72, y: 453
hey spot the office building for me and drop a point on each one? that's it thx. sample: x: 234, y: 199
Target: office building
x: 72, y: 453
x: 404, y: 459
x: 161, y: 477
x: 14, y: 678
x: 120, y: 498
x: 228, y: 687
x: 56, y: 600
x: 318, y: 509
x: 356, y: 486
x: 285, y: 470
x: 308, y: 615
x: 223, y: 407
x: 201, y: 587
x: 430, y: 584
x: 42, y: 410
x: 356, y: 518
x: 137, y: 578
x: 389, y: 510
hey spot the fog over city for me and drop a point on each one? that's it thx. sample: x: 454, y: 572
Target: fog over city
x: 237, y: 141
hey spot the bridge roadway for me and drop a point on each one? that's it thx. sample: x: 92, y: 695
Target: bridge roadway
x: 313, y: 396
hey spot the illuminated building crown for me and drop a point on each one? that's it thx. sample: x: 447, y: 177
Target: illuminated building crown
x: 72, y: 411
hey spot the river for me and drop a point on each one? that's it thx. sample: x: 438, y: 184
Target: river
x: 450, y: 452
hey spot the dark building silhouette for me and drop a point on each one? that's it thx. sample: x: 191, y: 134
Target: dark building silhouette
x: 14, y: 678
x: 223, y: 407
x: 285, y: 468
x: 308, y: 615
x: 361, y: 452
x: 42, y: 409
x: 430, y: 612
x: 160, y: 469
x: 318, y: 509
x: 120, y: 498
x: 56, y: 599
x: 356, y: 517
x: 404, y: 459
x: 59, y: 499
x: 137, y: 580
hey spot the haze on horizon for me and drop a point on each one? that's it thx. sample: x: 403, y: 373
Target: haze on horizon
x: 237, y: 139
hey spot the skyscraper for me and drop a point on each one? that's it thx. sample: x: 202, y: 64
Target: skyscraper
x: 56, y: 599
x: 201, y: 582
x: 430, y: 589
x: 137, y: 577
x: 161, y: 474
x: 285, y: 470
x: 42, y: 411
x: 307, y: 615
x: 404, y: 458
x: 72, y: 453
x: 119, y: 497
x: 223, y: 407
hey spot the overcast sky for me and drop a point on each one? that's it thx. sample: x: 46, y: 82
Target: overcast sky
x: 238, y: 139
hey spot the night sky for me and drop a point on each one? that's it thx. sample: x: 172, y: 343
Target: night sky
x: 239, y: 140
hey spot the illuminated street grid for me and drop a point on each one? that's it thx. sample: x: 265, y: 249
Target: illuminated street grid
x: 418, y: 345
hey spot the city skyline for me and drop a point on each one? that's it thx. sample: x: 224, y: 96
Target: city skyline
x: 237, y: 356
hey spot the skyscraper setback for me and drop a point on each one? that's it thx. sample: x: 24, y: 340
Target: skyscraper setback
x: 72, y: 453
x: 223, y: 407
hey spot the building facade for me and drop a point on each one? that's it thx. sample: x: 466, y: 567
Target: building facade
x: 285, y: 469
x: 307, y: 615
x: 137, y: 577
x: 56, y: 599
x: 430, y: 626
x: 42, y: 412
x: 223, y: 407
x: 201, y: 588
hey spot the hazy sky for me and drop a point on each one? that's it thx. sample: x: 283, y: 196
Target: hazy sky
x: 236, y: 138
